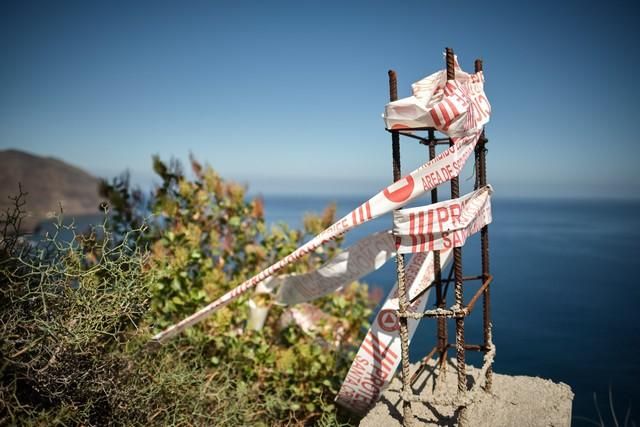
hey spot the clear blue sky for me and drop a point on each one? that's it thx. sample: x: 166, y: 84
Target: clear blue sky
x: 287, y: 96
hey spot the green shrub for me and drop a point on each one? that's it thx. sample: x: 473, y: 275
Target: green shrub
x: 76, y: 316
x: 72, y: 343
x: 206, y: 238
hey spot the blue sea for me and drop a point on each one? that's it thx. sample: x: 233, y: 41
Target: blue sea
x: 565, y: 297
x: 565, y: 302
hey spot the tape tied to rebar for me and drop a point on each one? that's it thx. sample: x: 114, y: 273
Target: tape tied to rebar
x: 463, y: 124
x: 452, y: 106
x: 439, y: 226
x: 379, y: 354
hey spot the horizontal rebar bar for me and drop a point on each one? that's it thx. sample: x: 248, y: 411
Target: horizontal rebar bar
x: 408, y: 129
x: 455, y: 311
x: 465, y: 279
x: 423, y: 140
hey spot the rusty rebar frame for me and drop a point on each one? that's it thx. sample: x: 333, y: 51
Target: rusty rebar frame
x: 459, y: 311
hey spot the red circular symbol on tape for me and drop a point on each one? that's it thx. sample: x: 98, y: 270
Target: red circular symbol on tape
x: 388, y: 320
x: 402, y: 193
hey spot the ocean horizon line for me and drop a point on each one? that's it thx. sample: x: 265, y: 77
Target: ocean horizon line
x: 445, y: 196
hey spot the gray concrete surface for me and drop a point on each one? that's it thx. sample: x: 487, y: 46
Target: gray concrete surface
x: 514, y: 401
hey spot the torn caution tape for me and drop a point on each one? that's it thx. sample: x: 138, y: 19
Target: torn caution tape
x: 364, y: 256
x: 443, y: 167
x: 452, y: 106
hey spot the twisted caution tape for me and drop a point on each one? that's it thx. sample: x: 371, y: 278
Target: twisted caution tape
x: 429, y: 228
x: 453, y: 106
x: 423, y: 230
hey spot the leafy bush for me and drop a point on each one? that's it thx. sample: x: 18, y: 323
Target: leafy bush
x: 72, y: 343
x: 205, y: 239
x: 75, y: 316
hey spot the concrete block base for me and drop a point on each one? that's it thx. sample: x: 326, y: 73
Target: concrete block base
x: 513, y: 401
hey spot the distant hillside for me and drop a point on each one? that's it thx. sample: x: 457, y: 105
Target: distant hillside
x: 49, y: 182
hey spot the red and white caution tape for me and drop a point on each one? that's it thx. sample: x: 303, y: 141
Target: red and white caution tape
x: 394, y: 196
x: 453, y: 106
x: 379, y: 354
x: 364, y: 256
x: 446, y: 165
x: 442, y: 225
x: 422, y: 229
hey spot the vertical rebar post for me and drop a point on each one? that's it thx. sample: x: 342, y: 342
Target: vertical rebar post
x: 437, y: 273
x: 403, y: 299
x: 484, y: 245
x: 457, y: 263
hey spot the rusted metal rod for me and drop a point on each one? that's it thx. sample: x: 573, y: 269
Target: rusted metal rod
x: 475, y: 347
x: 484, y: 244
x: 437, y: 141
x: 459, y: 311
x: 409, y: 129
x: 403, y: 298
x: 457, y: 262
x: 441, y: 324
x: 455, y: 311
x: 423, y: 140
x: 446, y: 281
x: 466, y: 278
x: 481, y: 291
